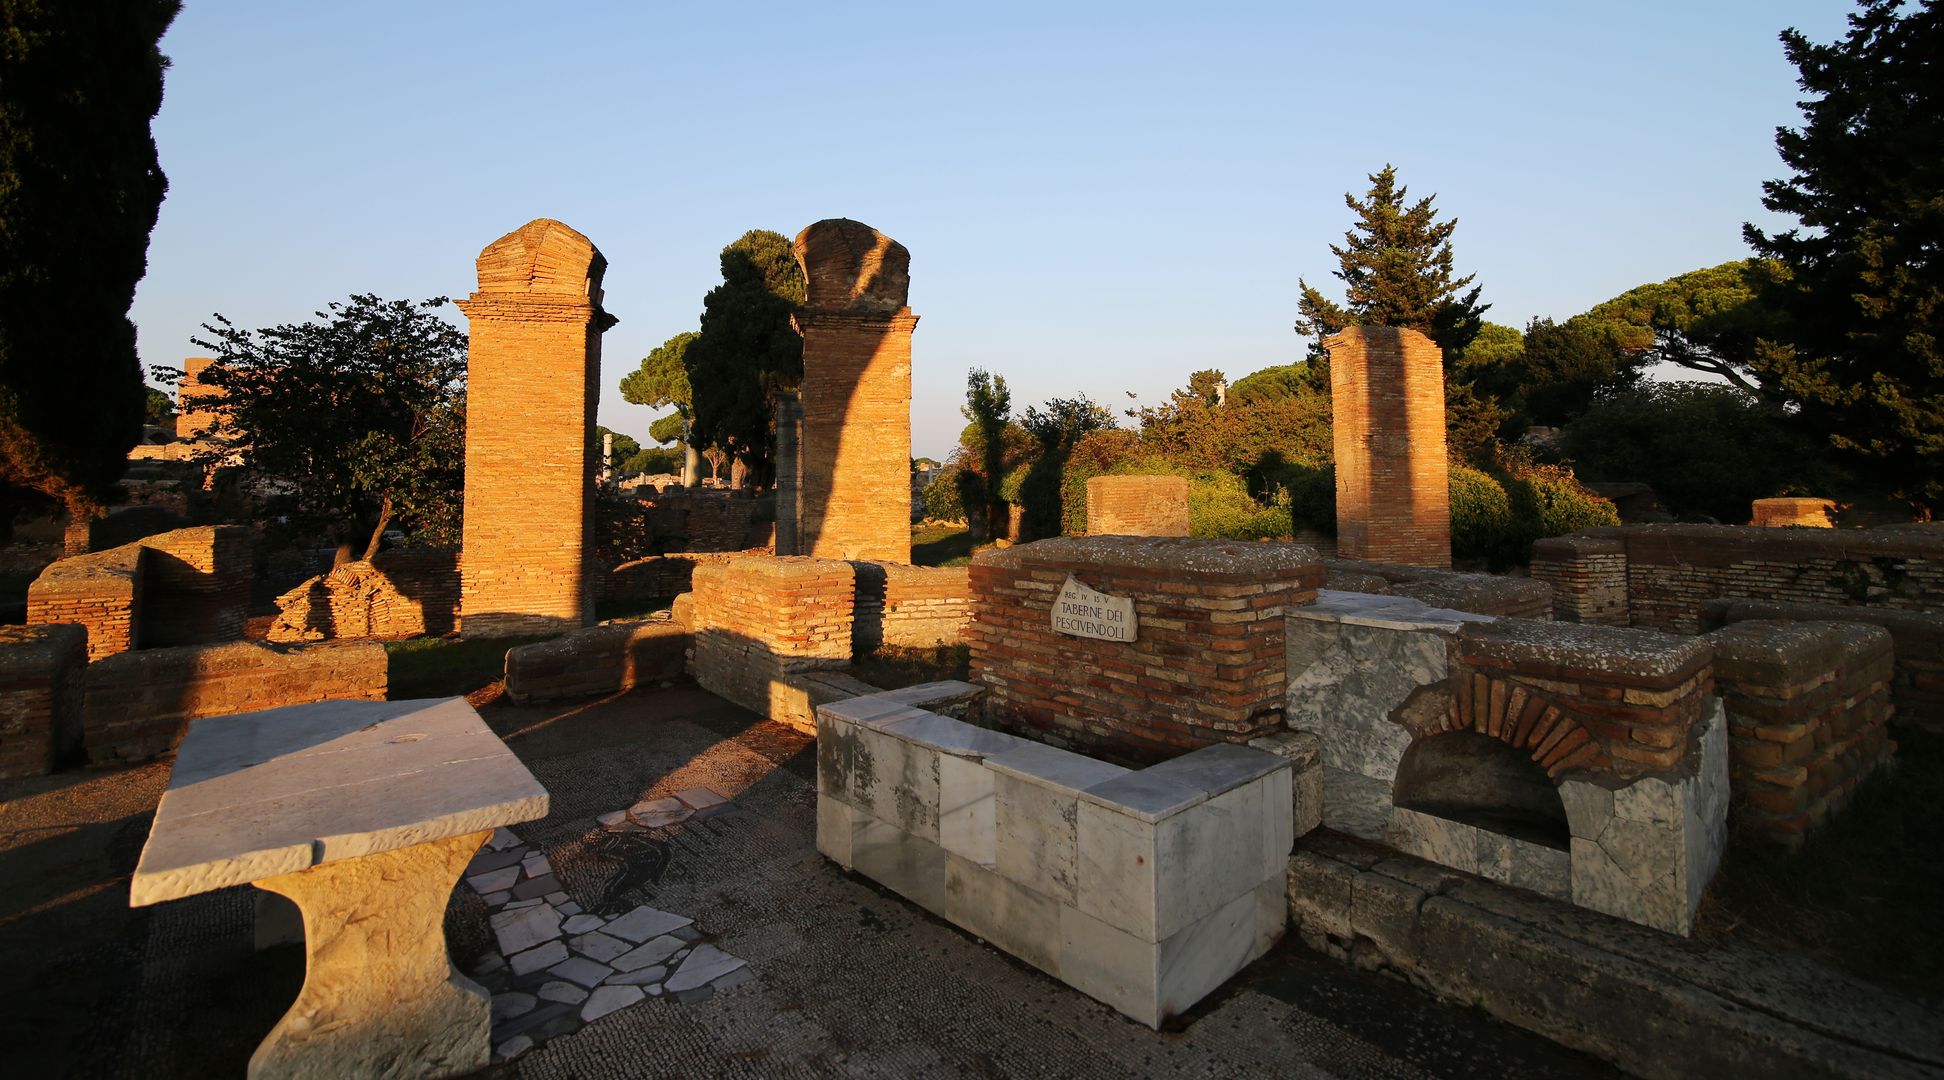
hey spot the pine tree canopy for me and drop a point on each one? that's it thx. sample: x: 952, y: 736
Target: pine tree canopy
x: 746, y: 348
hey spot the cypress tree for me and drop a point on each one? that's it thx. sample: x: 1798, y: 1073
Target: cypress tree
x: 746, y: 348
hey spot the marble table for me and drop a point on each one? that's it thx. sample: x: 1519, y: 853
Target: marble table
x: 364, y: 814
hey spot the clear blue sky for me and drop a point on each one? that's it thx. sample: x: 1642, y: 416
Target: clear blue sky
x: 1097, y: 198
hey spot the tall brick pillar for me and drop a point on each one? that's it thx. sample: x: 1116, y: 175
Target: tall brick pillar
x: 193, y: 417
x: 854, y: 496
x: 1392, y: 482
x: 532, y: 374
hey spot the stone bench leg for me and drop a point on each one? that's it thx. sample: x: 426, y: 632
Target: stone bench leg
x: 380, y: 997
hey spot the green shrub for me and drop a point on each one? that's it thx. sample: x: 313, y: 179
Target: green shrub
x: 1221, y: 508
x: 1551, y: 502
x: 1481, y: 516
x: 944, y: 501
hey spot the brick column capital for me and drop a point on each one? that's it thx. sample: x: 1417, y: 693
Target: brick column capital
x: 900, y: 321
x: 528, y: 308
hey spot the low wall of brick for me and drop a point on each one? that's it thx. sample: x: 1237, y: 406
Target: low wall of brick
x: 1916, y: 640
x: 910, y: 606
x: 1803, y: 513
x: 101, y: 592
x: 1808, y: 708
x: 138, y: 704
x: 598, y: 660
x: 702, y: 519
x: 40, y: 697
x: 1206, y: 664
x: 1673, y: 571
x: 659, y: 576
x: 1137, y: 506
x: 397, y: 594
x: 758, y: 620
x: 1451, y: 590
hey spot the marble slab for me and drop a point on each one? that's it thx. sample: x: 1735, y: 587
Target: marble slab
x: 1389, y: 612
x: 259, y: 794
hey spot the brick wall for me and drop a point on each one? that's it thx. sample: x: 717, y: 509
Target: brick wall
x: 1588, y: 575
x: 1810, y: 513
x: 910, y: 606
x: 1207, y: 664
x: 532, y: 371
x: 659, y: 576
x: 1480, y: 594
x: 1673, y: 571
x: 755, y: 621
x: 139, y: 704
x: 397, y: 594
x: 100, y: 592
x: 1393, y: 484
x: 1916, y: 639
x: 854, y: 496
x: 193, y: 416
x: 604, y: 659
x: 701, y: 519
x: 1137, y: 506
x: 1808, y: 707
x: 40, y: 697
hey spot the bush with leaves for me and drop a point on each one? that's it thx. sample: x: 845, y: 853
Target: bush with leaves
x: 1481, y: 516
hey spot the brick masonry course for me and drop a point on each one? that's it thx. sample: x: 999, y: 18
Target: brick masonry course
x: 396, y: 594
x: 40, y: 697
x: 1207, y: 665
x: 186, y: 587
x: 598, y: 660
x: 758, y: 621
x: 1392, y: 478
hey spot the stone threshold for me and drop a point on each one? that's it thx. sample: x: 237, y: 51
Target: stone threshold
x: 1651, y: 1003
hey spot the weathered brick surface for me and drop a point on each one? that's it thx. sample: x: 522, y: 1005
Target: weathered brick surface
x: 186, y: 587
x: 1588, y: 575
x: 1673, y: 571
x: 1809, y: 513
x: 1916, y: 637
x: 1480, y: 594
x: 756, y: 621
x: 703, y: 519
x: 40, y: 697
x: 1393, y: 483
x: 1208, y: 663
x: 139, y: 704
x: 1137, y: 506
x: 532, y: 371
x: 194, y: 419
x: 1580, y: 699
x: 910, y: 606
x: 659, y: 576
x: 397, y: 594
x: 597, y: 660
x: 853, y: 499
x: 1808, y: 706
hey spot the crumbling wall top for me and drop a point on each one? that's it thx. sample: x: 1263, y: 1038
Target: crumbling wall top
x: 851, y: 267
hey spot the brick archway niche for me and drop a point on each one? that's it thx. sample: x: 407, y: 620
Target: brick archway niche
x: 532, y: 371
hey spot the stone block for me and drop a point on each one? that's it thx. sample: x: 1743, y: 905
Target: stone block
x: 1036, y: 796
x: 910, y: 866
x: 1011, y: 916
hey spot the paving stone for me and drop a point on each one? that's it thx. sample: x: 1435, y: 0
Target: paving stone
x: 648, y: 976
x: 513, y: 1047
x: 536, y: 865
x: 607, y: 821
x: 488, y: 963
x: 502, y: 839
x: 580, y: 924
x: 598, y: 947
x: 526, y: 903
x: 536, y: 888
x: 552, y: 1010
x: 581, y: 970
x: 565, y: 1024
x: 687, y: 933
x: 564, y: 992
x: 654, y: 952
x: 511, y: 1005
x: 556, y: 899
x: 496, y: 899
x: 700, y: 798
x: 703, y: 966
x: 567, y: 907
x: 607, y: 999
x: 520, y: 928
x: 694, y: 996
x: 645, y: 922
x: 659, y: 813
x: 653, y: 991
x: 493, y: 881
x: 540, y: 956
x: 492, y: 860
x: 735, y: 978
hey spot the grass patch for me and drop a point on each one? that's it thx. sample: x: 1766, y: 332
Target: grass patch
x: 428, y: 667
x: 1863, y: 892
x: 948, y: 545
x: 894, y: 667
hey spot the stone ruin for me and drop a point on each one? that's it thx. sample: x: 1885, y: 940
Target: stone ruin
x: 532, y: 372
x: 1393, y: 485
x: 194, y: 418
x: 845, y: 477
x: 1137, y: 506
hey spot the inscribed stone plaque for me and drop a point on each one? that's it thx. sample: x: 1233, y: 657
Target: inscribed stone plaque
x: 1082, y: 612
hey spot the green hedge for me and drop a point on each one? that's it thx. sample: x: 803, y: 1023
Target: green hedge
x: 943, y: 498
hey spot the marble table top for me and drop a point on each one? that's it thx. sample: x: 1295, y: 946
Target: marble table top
x: 265, y: 793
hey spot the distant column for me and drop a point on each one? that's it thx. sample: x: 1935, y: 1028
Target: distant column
x: 854, y: 499
x: 788, y: 409
x: 532, y: 378
x: 1392, y: 479
x: 193, y: 416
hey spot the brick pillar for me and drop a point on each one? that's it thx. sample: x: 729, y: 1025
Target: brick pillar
x: 789, y: 470
x: 854, y: 499
x: 193, y: 417
x: 1588, y: 575
x: 1393, y: 486
x: 532, y: 373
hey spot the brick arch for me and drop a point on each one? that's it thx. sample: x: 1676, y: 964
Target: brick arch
x: 1521, y: 717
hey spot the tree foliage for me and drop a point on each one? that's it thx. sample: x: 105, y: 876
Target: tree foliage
x: 746, y: 348
x: 1710, y: 321
x: 1863, y: 280
x: 80, y: 186
x: 347, y: 425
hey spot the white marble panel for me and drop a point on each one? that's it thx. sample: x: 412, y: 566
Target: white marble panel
x: 910, y: 866
x: 1279, y: 820
x: 1203, y: 955
x: 967, y: 824
x: 1117, y: 869
x: 837, y: 824
x: 1035, y: 834
x: 1109, y: 965
x: 1355, y: 804
x: 1010, y: 916
x: 1207, y: 856
x: 897, y: 781
x: 836, y: 751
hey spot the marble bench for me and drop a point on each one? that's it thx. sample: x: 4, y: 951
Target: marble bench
x: 1143, y: 889
x: 364, y: 814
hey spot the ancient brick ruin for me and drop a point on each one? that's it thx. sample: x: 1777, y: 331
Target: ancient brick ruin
x: 853, y: 499
x: 1800, y: 512
x: 756, y: 622
x: 40, y: 697
x: 396, y: 594
x: 194, y: 417
x: 1137, y: 506
x: 532, y: 371
x: 186, y: 587
x: 1392, y: 481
